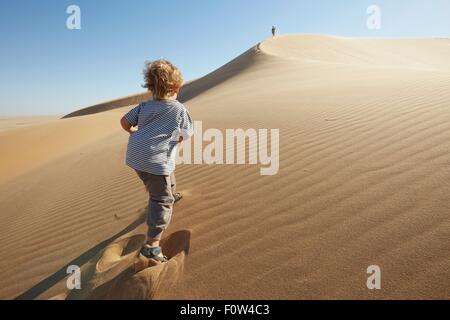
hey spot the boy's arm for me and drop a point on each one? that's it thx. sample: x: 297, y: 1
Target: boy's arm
x: 130, y: 120
x: 127, y: 126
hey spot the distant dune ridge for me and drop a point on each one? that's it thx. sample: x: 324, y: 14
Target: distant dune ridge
x: 363, y: 180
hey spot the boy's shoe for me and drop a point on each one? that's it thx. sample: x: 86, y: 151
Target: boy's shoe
x: 153, y: 253
x: 178, y: 196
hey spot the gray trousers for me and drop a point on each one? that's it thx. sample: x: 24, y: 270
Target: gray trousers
x: 161, y: 200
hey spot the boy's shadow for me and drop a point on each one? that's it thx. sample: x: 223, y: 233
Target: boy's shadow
x: 59, y: 275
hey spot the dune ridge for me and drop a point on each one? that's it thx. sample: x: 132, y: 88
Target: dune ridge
x: 187, y: 92
x: 364, y: 170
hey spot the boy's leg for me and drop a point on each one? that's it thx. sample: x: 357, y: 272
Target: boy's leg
x: 173, y: 182
x: 160, y: 205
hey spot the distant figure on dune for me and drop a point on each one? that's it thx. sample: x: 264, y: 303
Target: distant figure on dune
x: 274, y: 31
x: 152, y: 147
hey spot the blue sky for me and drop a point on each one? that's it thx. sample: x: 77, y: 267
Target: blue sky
x: 48, y: 69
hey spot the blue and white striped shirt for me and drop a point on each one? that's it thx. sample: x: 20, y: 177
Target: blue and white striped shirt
x: 152, y: 148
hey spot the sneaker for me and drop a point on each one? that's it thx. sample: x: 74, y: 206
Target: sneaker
x: 153, y: 253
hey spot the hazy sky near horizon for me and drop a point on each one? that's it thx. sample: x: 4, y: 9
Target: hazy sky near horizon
x: 49, y: 69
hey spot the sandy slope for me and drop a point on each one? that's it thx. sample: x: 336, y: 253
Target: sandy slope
x: 11, y: 123
x: 364, y: 179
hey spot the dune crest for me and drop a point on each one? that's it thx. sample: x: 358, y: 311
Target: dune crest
x: 425, y: 54
x: 190, y: 89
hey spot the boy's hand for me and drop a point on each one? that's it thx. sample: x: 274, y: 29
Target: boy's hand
x: 133, y: 130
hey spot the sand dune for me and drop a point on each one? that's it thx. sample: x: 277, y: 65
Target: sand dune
x: 364, y: 180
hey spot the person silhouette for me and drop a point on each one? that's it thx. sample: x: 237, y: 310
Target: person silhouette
x: 274, y: 31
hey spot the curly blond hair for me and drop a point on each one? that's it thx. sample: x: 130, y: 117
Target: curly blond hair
x: 162, y: 78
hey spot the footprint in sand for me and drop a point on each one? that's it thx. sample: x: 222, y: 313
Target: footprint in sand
x: 119, y: 273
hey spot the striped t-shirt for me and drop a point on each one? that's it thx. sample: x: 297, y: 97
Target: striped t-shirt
x: 152, y: 148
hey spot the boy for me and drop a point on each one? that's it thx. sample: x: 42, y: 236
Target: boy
x: 161, y: 123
